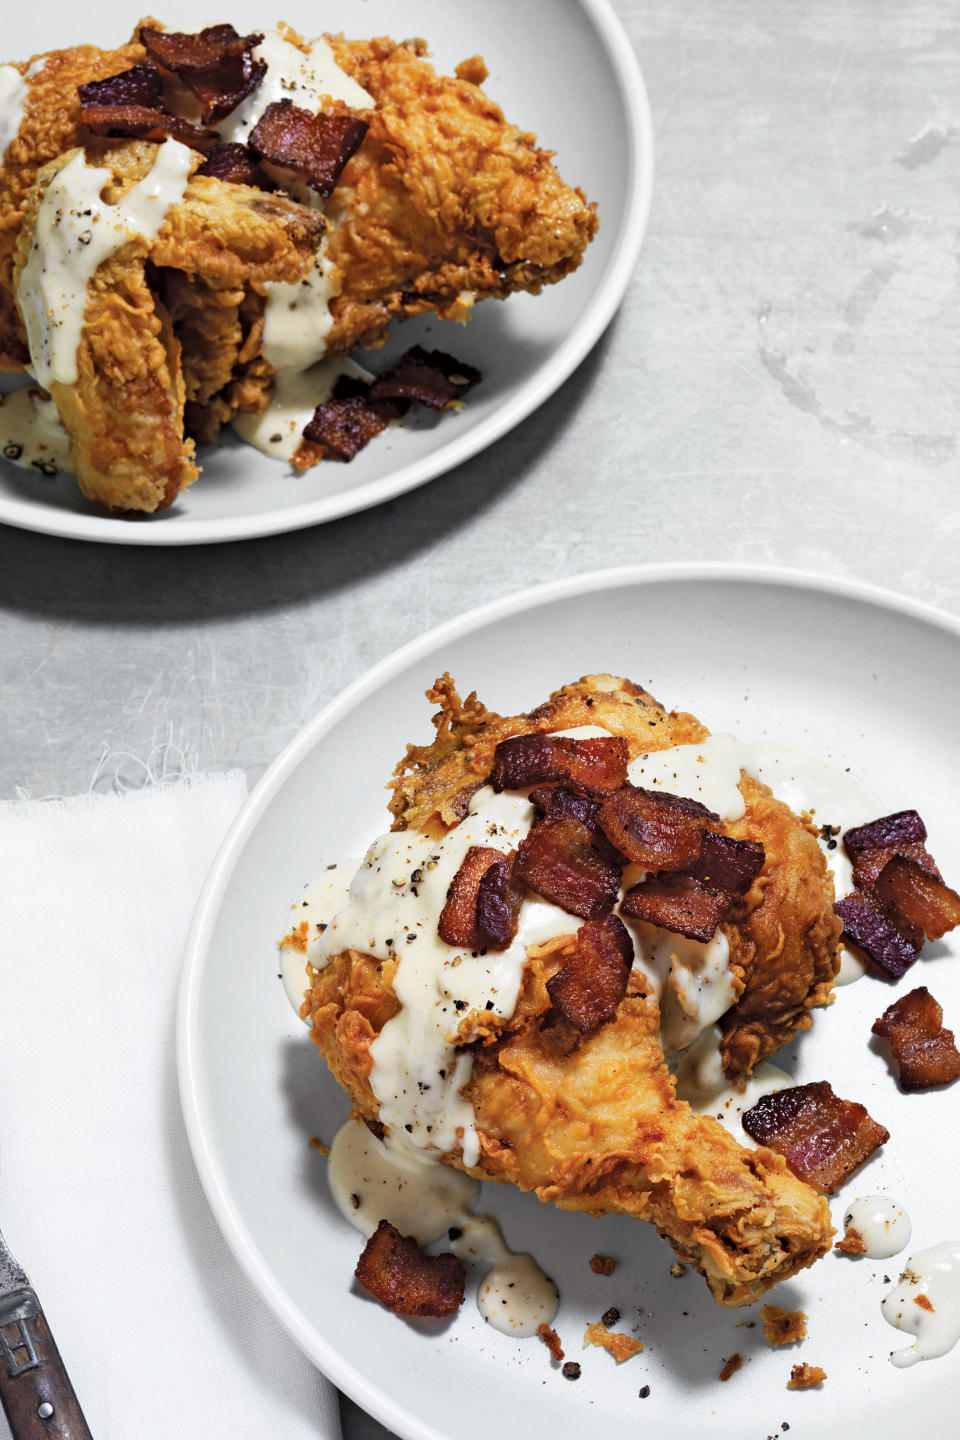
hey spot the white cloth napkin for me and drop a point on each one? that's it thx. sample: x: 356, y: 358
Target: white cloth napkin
x: 160, y: 1331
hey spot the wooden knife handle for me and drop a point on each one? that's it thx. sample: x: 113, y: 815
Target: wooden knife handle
x: 35, y: 1390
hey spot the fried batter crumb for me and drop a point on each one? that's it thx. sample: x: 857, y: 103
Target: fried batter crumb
x: 317, y: 1144
x: 731, y: 1366
x: 852, y: 1243
x: 620, y: 1346
x: 602, y: 1264
x: 551, y: 1339
x: 803, y: 1376
x: 676, y: 1269
x: 474, y: 70
x: 782, y: 1327
x: 571, y: 1370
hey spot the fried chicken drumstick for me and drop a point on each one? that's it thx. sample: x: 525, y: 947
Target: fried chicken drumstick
x: 584, y: 1113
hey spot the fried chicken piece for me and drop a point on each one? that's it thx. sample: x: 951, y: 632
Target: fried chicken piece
x: 445, y: 203
x: 592, y: 1122
x: 125, y: 411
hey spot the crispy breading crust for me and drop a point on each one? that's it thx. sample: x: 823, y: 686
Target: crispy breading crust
x: 592, y: 1123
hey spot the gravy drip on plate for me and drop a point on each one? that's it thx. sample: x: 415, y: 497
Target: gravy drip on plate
x: 76, y: 231
x: 31, y: 434
x: 882, y: 1224
x: 278, y: 431
x: 926, y: 1303
x: 372, y: 1181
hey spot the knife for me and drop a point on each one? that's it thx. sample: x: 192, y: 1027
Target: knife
x: 34, y: 1387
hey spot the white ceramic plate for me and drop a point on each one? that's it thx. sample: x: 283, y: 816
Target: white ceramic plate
x: 864, y: 677
x: 562, y: 68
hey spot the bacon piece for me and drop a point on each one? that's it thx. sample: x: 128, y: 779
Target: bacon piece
x: 677, y: 903
x: 876, y: 934
x: 143, y: 122
x: 430, y: 377
x: 401, y: 1276
x: 594, y: 767
x: 925, y: 1052
x: 652, y: 828
x: 727, y: 864
x: 905, y: 888
x: 560, y: 860
x: 215, y: 64
x: 867, y: 864
x: 317, y: 147
x: 822, y: 1138
x: 498, y: 906
x: 593, y: 979
x: 235, y: 164
x: 903, y: 828
x: 349, y: 420
x: 483, y: 904
x: 141, y: 85
x: 551, y: 802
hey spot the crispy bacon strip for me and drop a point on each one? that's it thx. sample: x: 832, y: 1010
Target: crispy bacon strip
x: 144, y: 122
x: 593, y: 979
x: 141, y: 85
x: 867, y: 864
x: 876, y: 934
x: 678, y: 903
x: 552, y: 802
x: 924, y: 900
x: 903, y: 828
x: 235, y: 164
x: 652, y: 828
x: 349, y: 420
x: 560, y: 860
x: 401, y: 1276
x: 593, y: 768
x: 216, y: 64
x: 483, y: 903
x: 727, y: 864
x: 822, y: 1138
x: 315, y: 146
x: 431, y: 377
x: 924, y: 1051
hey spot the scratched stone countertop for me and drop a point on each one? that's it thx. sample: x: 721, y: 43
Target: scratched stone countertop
x: 780, y: 386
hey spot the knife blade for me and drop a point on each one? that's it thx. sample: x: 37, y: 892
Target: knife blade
x: 35, y: 1390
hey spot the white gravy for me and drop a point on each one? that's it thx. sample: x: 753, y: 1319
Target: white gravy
x: 76, y: 231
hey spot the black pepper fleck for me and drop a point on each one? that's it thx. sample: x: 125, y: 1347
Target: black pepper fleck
x: 611, y: 1316
x: 644, y: 1391
x: 571, y: 1370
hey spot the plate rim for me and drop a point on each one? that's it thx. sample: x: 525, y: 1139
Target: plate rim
x: 546, y: 380
x: 358, y: 1386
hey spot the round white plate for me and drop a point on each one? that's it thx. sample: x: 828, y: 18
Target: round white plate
x: 561, y: 68
x: 866, y: 678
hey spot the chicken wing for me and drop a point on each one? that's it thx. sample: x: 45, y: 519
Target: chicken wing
x: 591, y: 1121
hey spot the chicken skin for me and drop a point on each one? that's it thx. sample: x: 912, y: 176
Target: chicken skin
x: 591, y: 1120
